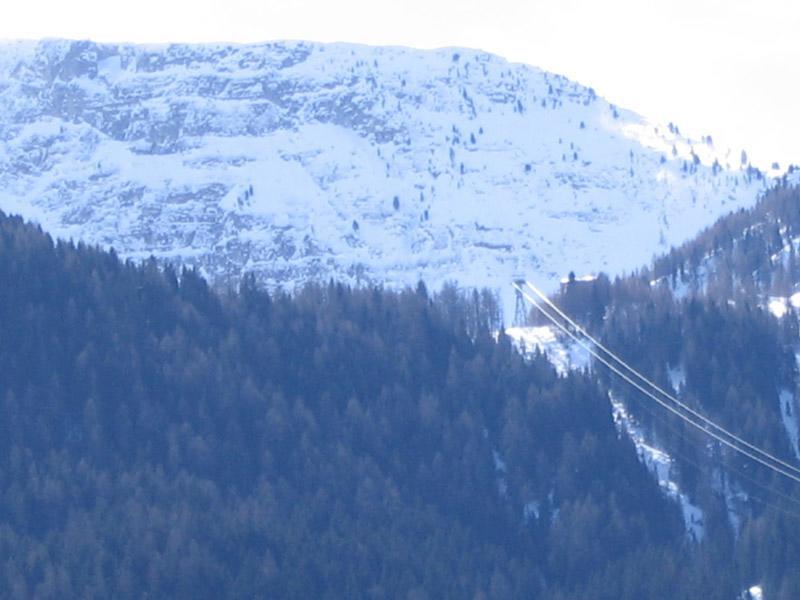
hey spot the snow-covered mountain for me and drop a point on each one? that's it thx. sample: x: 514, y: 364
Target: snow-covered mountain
x: 299, y: 160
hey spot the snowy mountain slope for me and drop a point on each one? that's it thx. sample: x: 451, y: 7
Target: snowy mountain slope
x: 298, y: 160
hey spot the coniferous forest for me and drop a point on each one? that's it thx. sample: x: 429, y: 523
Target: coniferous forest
x: 162, y: 439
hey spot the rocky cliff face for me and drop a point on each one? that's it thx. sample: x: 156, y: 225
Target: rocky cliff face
x: 298, y: 161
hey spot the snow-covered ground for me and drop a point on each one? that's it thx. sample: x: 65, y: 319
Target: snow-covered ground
x: 301, y: 161
x: 564, y: 353
x: 500, y: 469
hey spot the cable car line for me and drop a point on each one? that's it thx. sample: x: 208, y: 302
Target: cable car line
x: 764, y: 454
x: 696, y: 443
x: 723, y: 440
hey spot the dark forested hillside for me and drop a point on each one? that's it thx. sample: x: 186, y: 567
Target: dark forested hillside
x: 161, y: 440
x: 701, y: 325
x: 735, y: 363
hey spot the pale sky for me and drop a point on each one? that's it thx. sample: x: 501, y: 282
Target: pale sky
x: 726, y: 68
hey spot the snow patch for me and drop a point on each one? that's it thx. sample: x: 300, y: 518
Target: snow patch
x: 755, y: 592
x: 677, y: 377
x: 733, y: 495
x: 779, y: 305
x: 584, y: 278
x: 530, y: 511
x: 659, y: 463
x: 788, y: 408
x: 564, y: 353
x: 500, y: 469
